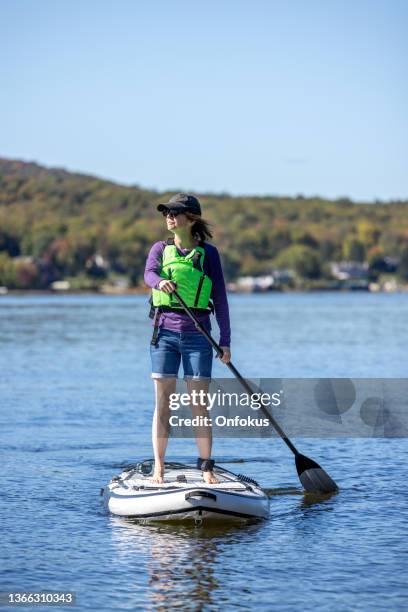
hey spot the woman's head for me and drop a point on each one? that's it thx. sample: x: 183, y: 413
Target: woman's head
x: 183, y: 212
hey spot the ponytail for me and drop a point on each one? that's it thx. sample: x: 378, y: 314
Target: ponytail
x: 200, y: 228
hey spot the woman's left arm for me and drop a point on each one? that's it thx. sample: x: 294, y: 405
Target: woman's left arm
x: 220, y: 301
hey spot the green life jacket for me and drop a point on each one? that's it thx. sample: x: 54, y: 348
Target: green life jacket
x: 187, y: 272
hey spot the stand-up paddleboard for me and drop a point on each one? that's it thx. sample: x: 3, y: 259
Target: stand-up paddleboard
x: 184, y: 496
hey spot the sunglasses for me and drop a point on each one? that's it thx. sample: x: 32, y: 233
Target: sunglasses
x: 171, y: 213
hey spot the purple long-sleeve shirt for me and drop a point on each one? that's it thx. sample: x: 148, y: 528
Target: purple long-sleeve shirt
x: 179, y: 321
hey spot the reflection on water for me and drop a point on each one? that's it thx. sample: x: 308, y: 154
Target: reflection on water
x: 316, y: 499
x: 184, y: 563
x: 180, y: 561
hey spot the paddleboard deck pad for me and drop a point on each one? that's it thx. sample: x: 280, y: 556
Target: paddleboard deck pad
x: 184, y: 496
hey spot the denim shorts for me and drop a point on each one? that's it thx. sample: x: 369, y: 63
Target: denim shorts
x: 192, y: 348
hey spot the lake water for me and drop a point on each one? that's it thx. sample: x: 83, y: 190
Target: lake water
x: 76, y: 406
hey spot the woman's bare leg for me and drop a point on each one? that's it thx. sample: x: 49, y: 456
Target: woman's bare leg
x: 203, y: 433
x: 164, y: 387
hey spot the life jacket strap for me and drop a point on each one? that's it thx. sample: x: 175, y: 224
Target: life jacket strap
x: 209, y: 310
x: 170, y: 242
x: 156, y: 318
x: 156, y: 311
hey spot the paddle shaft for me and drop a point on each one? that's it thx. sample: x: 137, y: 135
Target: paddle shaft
x: 235, y: 372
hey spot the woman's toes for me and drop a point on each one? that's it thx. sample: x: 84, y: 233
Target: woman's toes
x: 209, y: 478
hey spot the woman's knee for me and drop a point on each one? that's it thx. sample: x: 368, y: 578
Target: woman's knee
x: 164, y: 389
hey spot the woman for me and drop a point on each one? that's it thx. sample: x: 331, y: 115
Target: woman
x: 185, y: 262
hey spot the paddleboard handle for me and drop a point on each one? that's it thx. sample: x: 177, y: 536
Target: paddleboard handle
x: 200, y: 494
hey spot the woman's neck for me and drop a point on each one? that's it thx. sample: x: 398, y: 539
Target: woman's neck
x: 184, y: 239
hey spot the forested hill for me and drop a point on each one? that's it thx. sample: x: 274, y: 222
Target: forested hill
x: 62, y: 220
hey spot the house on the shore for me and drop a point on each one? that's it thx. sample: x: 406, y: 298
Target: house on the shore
x: 267, y: 282
x: 349, y: 270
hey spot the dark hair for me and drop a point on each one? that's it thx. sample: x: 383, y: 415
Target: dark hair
x: 200, y: 228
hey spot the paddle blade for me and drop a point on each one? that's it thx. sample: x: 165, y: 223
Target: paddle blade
x: 313, y: 478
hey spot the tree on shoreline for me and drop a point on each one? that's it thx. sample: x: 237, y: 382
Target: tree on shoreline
x: 62, y: 219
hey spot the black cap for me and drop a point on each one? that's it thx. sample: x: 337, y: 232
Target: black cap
x: 182, y: 202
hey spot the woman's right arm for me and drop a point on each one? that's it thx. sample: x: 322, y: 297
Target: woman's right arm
x: 152, y: 276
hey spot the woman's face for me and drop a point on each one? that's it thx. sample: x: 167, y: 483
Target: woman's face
x: 177, y: 222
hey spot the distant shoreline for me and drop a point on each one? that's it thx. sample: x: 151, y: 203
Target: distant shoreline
x: 142, y: 291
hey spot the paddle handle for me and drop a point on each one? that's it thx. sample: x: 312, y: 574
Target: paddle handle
x: 235, y: 372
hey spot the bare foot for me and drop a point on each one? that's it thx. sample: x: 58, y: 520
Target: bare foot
x: 158, y: 473
x: 209, y: 478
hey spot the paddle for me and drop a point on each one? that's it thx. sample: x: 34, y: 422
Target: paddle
x: 313, y: 477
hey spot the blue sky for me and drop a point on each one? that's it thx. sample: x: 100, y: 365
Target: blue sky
x: 248, y: 97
